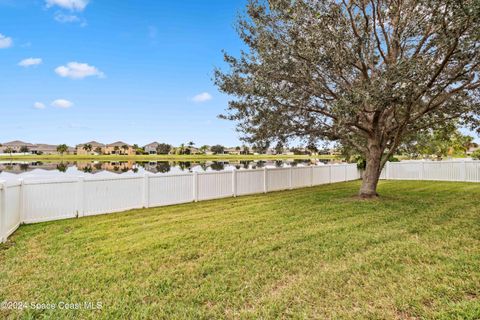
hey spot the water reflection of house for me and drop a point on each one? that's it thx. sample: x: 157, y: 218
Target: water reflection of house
x: 119, y: 166
x: 113, y: 166
x: 157, y: 166
x: 18, y: 167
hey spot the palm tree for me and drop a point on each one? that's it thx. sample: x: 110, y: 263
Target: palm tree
x: 190, y: 146
x: 88, y: 147
x: 98, y: 150
x: 181, y: 149
x: 116, y: 149
x: 62, y: 148
x: 125, y: 148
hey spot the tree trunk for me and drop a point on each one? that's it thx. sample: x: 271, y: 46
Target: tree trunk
x: 372, y: 172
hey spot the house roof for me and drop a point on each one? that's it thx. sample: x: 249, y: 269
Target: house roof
x: 16, y: 143
x: 45, y: 146
x: 118, y: 144
x: 152, y: 144
x: 92, y: 143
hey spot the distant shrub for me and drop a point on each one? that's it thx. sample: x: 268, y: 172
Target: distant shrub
x: 361, y: 162
x: 476, y: 155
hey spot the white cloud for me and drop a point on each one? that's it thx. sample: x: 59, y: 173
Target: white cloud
x: 5, y: 41
x: 76, y: 70
x: 30, y: 62
x: 202, y: 97
x: 73, y: 5
x: 66, y: 18
x: 39, y: 105
x: 62, y: 103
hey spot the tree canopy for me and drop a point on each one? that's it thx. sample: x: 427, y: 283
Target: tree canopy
x: 367, y: 74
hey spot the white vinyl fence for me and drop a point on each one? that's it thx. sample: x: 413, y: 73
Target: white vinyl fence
x: 468, y: 171
x: 30, y: 201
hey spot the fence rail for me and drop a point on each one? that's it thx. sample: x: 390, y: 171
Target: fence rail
x: 32, y: 201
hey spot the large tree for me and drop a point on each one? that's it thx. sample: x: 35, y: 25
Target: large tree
x: 364, y: 73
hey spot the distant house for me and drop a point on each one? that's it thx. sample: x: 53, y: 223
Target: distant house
x: 151, y: 148
x: 194, y: 150
x: 15, y: 146
x: 472, y: 149
x: 120, y: 148
x: 44, y: 149
x: 96, y: 148
x: 232, y: 150
x: 270, y: 151
x: 38, y: 148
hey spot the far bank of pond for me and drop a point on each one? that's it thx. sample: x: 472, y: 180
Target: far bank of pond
x: 169, y: 157
x: 122, y: 167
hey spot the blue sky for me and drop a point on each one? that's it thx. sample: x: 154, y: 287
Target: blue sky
x: 136, y: 71
x: 132, y: 70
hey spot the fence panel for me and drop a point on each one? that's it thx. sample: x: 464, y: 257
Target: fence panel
x: 250, y: 181
x: 170, y: 189
x: 405, y: 171
x: 449, y: 171
x: 321, y: 175
x: 301, y: 177
x: 214, y: 185
x: 12, y: 207
x: 10, y: 197
x: 472, y: 171
x: 49, y: 200
x: 112, y: 195
x: 352, y: 172
x: 278, y: 179
x: 339, y: 173
x: 468, y: 171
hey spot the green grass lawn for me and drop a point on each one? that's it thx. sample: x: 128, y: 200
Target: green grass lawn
x: 307, y: 253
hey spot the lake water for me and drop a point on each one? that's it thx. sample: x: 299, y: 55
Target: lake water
x: 23, y: 169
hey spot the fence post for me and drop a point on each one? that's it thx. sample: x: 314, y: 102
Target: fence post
x: 311, y: 176
x: 265, y: 181
x: 234, y: 182
x: 81, y: 197
x: 387, y: 170
x: 3, y: 210
x: 146, y: 191
x: 290, y: 178
x: 346, y: 172
x: 330, y: 173
x: 195, y: 186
